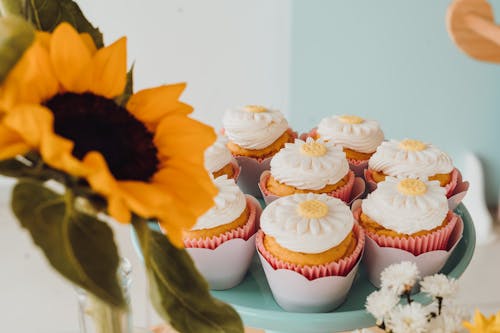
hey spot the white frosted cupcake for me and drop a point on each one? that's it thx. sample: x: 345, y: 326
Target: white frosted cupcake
x: 221, y: 242
x: 219, y: 160
x: 255, y: 134
x: 312, y: 236
x: 409, y: 214
x: 412, y: 158
x: 255, y: 131
x: 309, y: 166
x: 229, y: 218
x: 359, y: 137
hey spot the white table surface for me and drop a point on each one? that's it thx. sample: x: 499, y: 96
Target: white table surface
x: 34, y: 299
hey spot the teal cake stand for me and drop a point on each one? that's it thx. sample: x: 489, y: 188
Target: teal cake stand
x: 254, y: 302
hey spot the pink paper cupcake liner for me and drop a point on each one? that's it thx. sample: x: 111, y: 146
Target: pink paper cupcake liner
x: 311, y: 134
x: 437, y: 240
x: 245, y: 232
x: 358, y: 162
x: 339, y: 268
x: 450, y: 187
x: 358, y: 166
x: 343, y: 193
x: 236, y: 169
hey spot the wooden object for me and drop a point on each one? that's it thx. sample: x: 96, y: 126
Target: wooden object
x: 471, y: 26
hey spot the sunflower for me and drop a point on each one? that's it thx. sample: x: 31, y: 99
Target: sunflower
x: 145, y: 157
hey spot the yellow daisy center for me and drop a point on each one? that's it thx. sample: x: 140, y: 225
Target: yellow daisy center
x: 347, y: 119
x: 255, y: 108
x: 313, y: 209
x: 412, y: 145
x: 412, y: 187
x: 95, y: 123
x: 313, y: 149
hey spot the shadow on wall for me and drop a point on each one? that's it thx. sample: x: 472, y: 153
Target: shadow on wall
x: 393, y: 61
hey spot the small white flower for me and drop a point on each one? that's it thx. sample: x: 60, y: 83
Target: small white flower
x: 453, y: 317
x: 399, y: 277
x: 380, y: 303
x: 409, y: 318
x: 450, y: 321
x: 438, y: 285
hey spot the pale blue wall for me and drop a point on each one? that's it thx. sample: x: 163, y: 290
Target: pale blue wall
x: 392, y: 60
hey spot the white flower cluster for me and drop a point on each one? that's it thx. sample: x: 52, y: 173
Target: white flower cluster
x: 412, y: 317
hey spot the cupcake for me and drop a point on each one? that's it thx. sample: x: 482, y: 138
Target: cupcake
x: 359, y: 137
x: 255, y: 134
x: 409, y: 214
x: 309, y: 166
x: 255, y: 131
x: 309, y: 236
x: 219, y: 160
x: 221, y: 242
x: 412, y: 158
x: 407, y: 219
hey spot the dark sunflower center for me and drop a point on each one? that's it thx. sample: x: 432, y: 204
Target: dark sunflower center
x: 97, y: 123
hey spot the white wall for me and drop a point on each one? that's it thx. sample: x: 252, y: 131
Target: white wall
x: 231, y: 52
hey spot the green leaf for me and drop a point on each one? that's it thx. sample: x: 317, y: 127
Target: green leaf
x: 14, y: 168
x: 78, y: 246
x: 47, y: 14
x: 16, y: 35
x: 129, y: 88
x: 12, y: 7
x: 178, y: 292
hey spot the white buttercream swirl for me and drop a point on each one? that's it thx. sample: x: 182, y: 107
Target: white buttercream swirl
x: 254, y: 130
x: 217, y: 155
x: 395, y: 161
x: 281, y: 219
x: 230, y: 202
x: 292, y: 167
x: 403, y: 213
x: 362, y: 137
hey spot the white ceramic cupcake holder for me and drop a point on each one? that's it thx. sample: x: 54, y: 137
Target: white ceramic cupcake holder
x: 295, y: 293
x: 225, y: 266
x: 377, y: 258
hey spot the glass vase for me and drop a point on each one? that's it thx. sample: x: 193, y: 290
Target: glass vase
x: 96, y: 316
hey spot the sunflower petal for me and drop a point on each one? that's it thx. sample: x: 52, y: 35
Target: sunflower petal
x: 108, y: 71
x: 183, y: 137
x: 174, y: 223
x: 31, y: 122
x: 44, y: 38
x: 57, y: 152
x: 11, y: 143
x: 70, y: 57
x: 32, y: 80
x: 102, y: 181
x: 146, y: 200
x: 195, y: 190
x: 100, y: 178
x: 89, y: 42
x: 151, y: 105
x: 118, y: 210
x: 34, y: 124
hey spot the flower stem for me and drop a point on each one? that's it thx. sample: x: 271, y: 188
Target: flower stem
x: 107, y: 318
x: 408, y: 296
x: 440, y: 304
